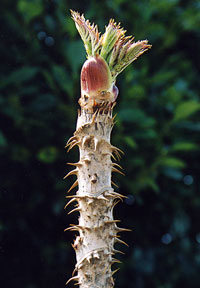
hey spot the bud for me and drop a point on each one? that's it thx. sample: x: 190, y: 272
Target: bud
x: 95, y: 77
x: 115, y: 92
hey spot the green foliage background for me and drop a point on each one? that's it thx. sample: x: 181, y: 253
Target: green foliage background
x: 157, y: 126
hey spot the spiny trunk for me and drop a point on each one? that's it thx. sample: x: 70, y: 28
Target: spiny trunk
x: 96, y: 199
x: 108, y: 55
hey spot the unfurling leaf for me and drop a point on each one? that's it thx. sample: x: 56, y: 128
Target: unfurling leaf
x: 116, y: 49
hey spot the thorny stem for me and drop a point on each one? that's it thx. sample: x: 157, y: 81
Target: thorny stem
x: 108, y: 55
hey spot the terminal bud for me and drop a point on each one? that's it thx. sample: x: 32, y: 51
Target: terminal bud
x: 95, y: 76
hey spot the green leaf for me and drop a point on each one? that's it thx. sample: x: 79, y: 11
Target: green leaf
x: 47, y: 154
x: 19, y: 76
x: 184, y: 146
x: 172, y: 162
x: 131, y: 143
x: 186, y: 109
x: 30, y: 9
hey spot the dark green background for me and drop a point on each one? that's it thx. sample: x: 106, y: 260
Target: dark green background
x: 158, y: 127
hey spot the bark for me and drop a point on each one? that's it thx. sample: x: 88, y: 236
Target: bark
x: 98, y: 231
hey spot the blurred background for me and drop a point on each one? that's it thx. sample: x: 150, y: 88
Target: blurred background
x: 158, y: 127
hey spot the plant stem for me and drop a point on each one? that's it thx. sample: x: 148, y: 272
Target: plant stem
x: 96, y: 199
x: 108, y: 55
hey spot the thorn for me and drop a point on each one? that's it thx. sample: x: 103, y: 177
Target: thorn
x: 114, y: 105
x: 94, y: 116
x: 77, y: 164
x: 75, y: 278
x: 114, y: 260
x: 118, y: 195
x: 115, y: 203
x: 113, y: 272
x: 123, y: 229
x: 73, y: 172
x: 117, y: 171
x: 111, y: 155
x: 112, y: 221
x: 69, y: 228
x: 118, y: 155
x: 113, y: 183
x: 116, y: 149
x: 74, y: 271
x: 113, y: 236
x: 101, y: 197
x: 73, y: 227
x: 74, y: 196
x: 118, y: 251
x: 74, y: 210
x: 71, y: 146
x: 114, y: 122
x: 115, y: 164
x: 71, y: 139
x: 73, y: 186
x: 114, y: 157
x: 70, y: 143
x: 113, y: 118
x: 121, y: 241
x: 70, y: 201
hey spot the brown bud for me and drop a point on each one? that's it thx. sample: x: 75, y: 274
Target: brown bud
x: 95, y: 76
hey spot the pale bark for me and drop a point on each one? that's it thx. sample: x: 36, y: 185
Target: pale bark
x: 98, y: 232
